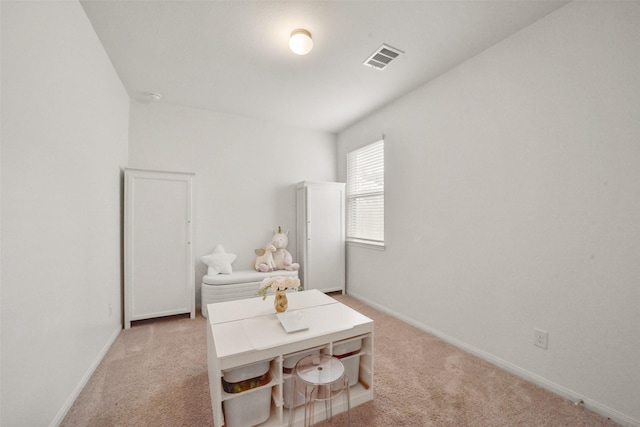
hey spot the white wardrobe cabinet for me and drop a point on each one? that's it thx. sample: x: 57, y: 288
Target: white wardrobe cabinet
x: 321, y: 235
x: 159, y: 267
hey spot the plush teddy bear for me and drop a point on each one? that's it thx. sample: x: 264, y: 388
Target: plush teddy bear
x: 281, y: 256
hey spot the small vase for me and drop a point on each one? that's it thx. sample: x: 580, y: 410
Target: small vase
x: 280, y: 301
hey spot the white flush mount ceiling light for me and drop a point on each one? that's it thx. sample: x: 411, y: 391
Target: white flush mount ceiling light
x: 300, y: 41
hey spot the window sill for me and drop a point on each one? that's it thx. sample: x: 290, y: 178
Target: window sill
x: 366, y: 245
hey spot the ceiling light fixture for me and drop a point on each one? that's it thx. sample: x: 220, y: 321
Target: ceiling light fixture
x: 300, y: 41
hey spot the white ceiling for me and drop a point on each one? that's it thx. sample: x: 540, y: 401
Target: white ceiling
x: 233, y: 56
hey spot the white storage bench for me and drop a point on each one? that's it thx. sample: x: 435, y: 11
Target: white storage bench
x: 240, y: 284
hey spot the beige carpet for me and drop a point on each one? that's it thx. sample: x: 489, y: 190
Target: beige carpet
x: 155, y: 374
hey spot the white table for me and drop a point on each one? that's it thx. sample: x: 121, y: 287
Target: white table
x: 247, y: 331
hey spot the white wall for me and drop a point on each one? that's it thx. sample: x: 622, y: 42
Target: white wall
x: 512, y: 202
x: 64, y: 140
x: 1, y: 137
x: 246, y: 172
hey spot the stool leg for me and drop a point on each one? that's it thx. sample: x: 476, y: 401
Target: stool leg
x: 328, y: 403
x: 309, y: 400
x: 348, y: 396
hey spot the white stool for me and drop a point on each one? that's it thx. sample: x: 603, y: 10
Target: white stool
x: 320, y: 377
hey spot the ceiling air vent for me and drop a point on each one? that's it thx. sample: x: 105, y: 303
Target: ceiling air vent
x: 382, y: 57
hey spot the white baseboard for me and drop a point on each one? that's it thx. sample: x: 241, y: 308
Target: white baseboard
x: 85, y: 378
x: 588, y: 403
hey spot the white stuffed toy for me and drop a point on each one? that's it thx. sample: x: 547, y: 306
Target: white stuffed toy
x: 281, y: 256
x: 264, y: 261
x: 219, y: 261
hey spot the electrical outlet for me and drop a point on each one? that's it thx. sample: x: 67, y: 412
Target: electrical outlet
x: 540, y: 338
x: 110, y: 310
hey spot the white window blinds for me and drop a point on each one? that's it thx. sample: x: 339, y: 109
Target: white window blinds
x: 365, y: 194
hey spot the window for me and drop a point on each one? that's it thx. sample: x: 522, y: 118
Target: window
x: 365, y: 195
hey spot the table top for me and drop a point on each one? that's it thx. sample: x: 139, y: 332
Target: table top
x: 229, y: 311
x: 251, y: 325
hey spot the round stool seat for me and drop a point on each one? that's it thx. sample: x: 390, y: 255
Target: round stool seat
x: 319, y: 369
x: 320, y: 376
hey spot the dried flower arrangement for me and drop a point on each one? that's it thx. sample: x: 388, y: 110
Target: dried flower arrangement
x: 278, y: 283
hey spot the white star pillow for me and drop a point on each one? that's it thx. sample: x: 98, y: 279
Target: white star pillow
x: 219, y: 261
